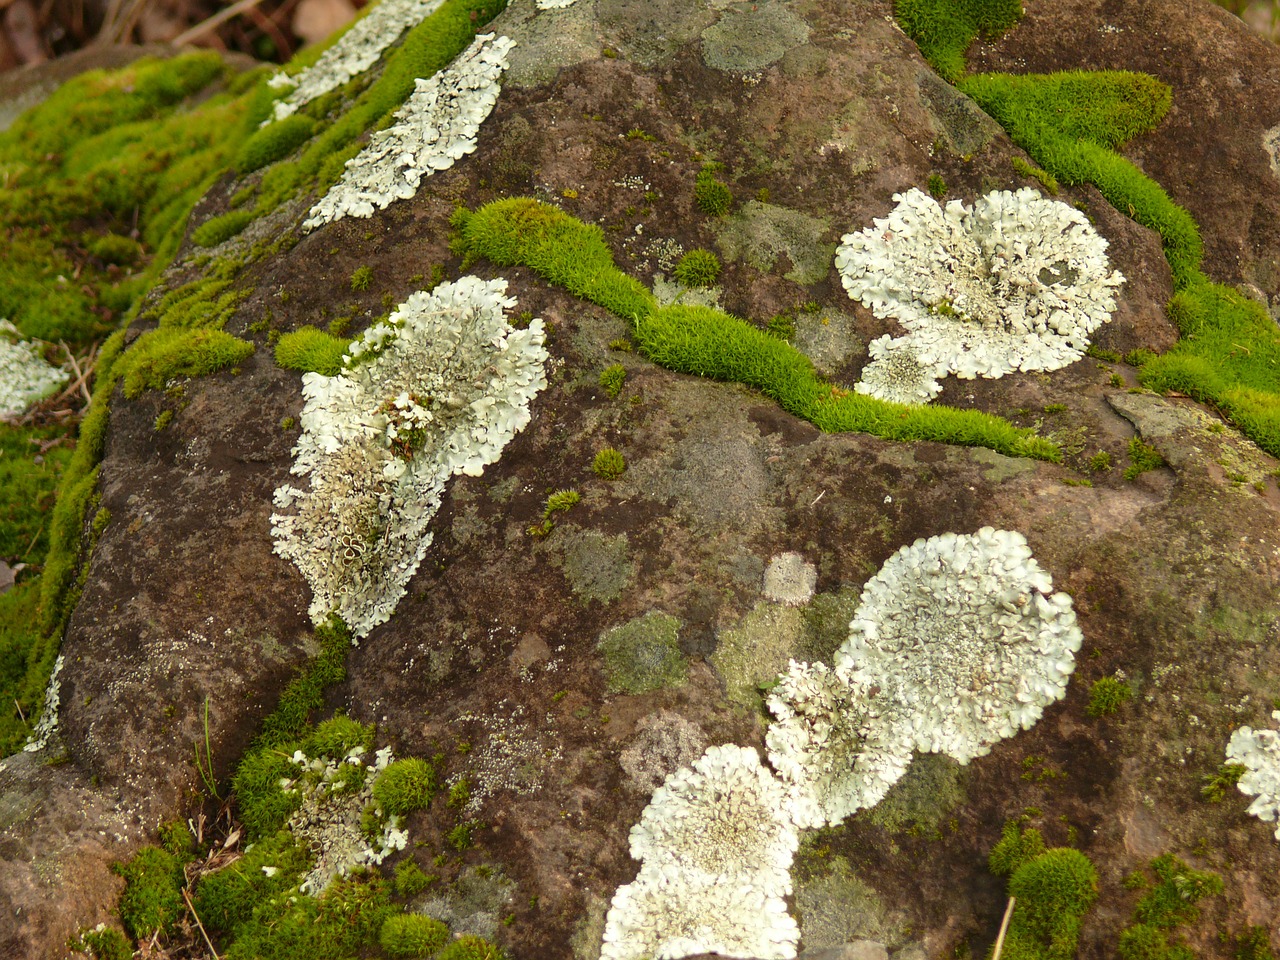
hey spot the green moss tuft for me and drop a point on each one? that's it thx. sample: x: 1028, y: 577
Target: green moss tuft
x: 273, y: 142
x: 412, y: 935
x: 612, y: 379
x: 1054, y: 892
x: 644, y: 654
x: 226, y: 898
x: 943, y: 29
x: 405, y: 786
x: 158, y: 356
x: 410, y: 880
x: 104, y: 944
x: 1107, y: 695
x: 337, y: 736
x: 1142, y: 457
x: 311, y: 349
x: 152, y: 898
x: 698, y: 268
x: 469, y: 947
x: 711, y: 196
x: 221, y: 228
x: 609, y: 464
x: 1016, y: 847
x: 361, y: 278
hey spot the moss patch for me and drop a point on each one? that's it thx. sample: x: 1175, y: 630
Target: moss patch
x: 920, y: 802
x: 643, y: 654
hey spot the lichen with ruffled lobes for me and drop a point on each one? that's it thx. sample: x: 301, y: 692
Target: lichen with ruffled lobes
x: 1016, y: 282
x: 716, y: 847
x: 1258, y: 751
x: 437, y: 389
x: 436, y: 127
x: 958, y: 642
x: 358, y: 49
x: 25, y: 376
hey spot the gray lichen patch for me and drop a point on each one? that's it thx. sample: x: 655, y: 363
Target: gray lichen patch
x: 474, y: 904
x: 996, y: 468
x: 589, y: 933
x: 1271, y: 144
x: 597, y: 567
x: 762, y: 232
x: 920, y: 802
x: 752, y: 37
x: 829, y: 338
x: 836, y: 906
x: 667, y: 292
x: 548, y: 41
x: 757, y: 650
x: 651, y: 32
x: 960, y: 122
x: 643, y: 655
x: 663, y: 743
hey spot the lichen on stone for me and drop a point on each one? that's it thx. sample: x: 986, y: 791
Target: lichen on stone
x: 1016, y: 282
x: 643, y: 655
x: 897, y: 372
x: 716, y: 848
x: 48, y: 721
x: 437, y: 389
x: 25, y: 377
x: 436, y: 127
x: 335, y: 794
x: 555, y: 4
x: 355, y: 52
x: 789, y: 579
x: 1258, y: 751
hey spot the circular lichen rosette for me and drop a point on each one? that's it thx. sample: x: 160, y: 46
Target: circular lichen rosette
x: 1016, y: 282
x: 1258, y: 751
x: 962, y: 640
x: 831, y: 745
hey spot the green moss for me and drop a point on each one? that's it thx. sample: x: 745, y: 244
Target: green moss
x: 152, y: 897
x: 710, y: 343
x: 1015, y: 848
x: 264, y: 808
x: 1044, y: 177
x: 113, y: 248
x: 311, y: 349
x: 468, y: 947
x: 104, y: 944
x: 609, y: 464
x: 226, y: 898
x: 361, y: 278
x: 1216, y: 785
x: 1173, y: 900
x: 410, y: 880
x: 405, y: 786
x: 1144, y: 942
x: 559, y: 502
x: 1054, y: 892
x: 698, y: 268
x: 643, y: 655
x: 305, y: 692
x: 937, y: 186
x: 612, y: 378
x: 337, y: 736
x: 31, y: 464
x: 1254, y: 944
x: 23, y: 668
x: 273, y: 142
x: 943, y: 29
x: 711, y: 196
x: 412, y: 935
x: 1107, y: 695
x: 159, y: 356
x: 221, y: 228
x: 1142, y: 457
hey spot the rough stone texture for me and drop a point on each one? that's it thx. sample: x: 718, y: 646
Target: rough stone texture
x: 1175, y: 574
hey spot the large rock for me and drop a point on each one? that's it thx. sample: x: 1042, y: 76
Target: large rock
x: 189, y: 625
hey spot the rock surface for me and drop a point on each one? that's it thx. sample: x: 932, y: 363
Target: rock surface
x: 189, y: 625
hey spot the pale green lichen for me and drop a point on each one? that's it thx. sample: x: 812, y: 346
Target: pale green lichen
x: 760, y: 233
x: 597, y: 567
x: 643, y: 655
x: 757, y: 650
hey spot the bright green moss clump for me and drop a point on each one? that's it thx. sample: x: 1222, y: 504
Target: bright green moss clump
x: 711, y: 196
x: 698, y: 268
x: 311, y: 349
x: 710, y: 343
x: 468, y: 947
x: 219, y: 229
x: 1171, y: 903
x: 1054, y: 889
x: 943, y: 29
x: 152, y: 898
x: 412, y: 935
x: 405, y: 786
x: 609, y: 464
x: 160, y: 355
x: 1107, y: 695
x: 274, y: 142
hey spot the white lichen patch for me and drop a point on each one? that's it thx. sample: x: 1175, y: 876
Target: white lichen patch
x: 436, y: 127
x: 509, y: 754
x: 897, y: 373
x: 789, y: 579
x: 25, y: 377
x: 437, y: 389
x: 1258, y: 751
x: 1016, y: 282
x: 830, y: 746
x: 716, y: 846
x: 48, y: 721
x: 355, y: 52
x: 963, y: 640
x: 335, y: 795
x: 555, y: 4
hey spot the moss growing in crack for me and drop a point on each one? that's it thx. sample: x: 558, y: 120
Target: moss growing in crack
x: 311, y: 349
x: 943, y: 29
x: 221, y: 228
x: 643, y: 655
x: 708, y: 342
x: 412, y: 935
x: 160, y: 355
x: 1142, y: 457
x: 226, y: 899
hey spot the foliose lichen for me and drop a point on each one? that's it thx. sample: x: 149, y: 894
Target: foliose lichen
x: 716, y: 849
x: 436, y: 127
x: 48, y: 721
x: 437, y: 389
x: 1016, y: 282
x: 355, y: 52
x: 25, y: 377
x: 1259, y: 752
